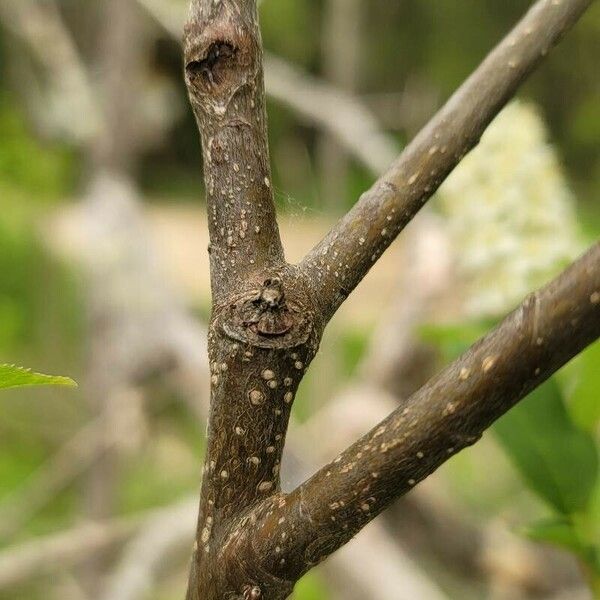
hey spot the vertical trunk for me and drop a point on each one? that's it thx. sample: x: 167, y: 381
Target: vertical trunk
x: 263, y: 332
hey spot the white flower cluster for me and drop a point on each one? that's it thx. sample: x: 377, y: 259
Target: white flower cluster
x: 510, y: 213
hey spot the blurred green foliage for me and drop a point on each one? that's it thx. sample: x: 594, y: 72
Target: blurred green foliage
x: 558, y: 459
x: 18, y: 259
x: 582, y: 388
x: 310, y: 587
x: 38, y: 173
x: 32, y: 176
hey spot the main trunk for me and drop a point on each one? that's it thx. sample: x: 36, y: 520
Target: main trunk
x: 260, y: 344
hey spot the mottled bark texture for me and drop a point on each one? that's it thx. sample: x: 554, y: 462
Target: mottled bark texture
x: 253, y: 540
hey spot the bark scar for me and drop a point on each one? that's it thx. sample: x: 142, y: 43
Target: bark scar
x: 266, y: 318
x: 220, y: 59
x: 211, y: 68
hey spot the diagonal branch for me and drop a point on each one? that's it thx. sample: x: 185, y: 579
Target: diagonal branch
x: 224, y: 76
x: 339, y: 262
x: 446, y: 415
x: 42, y: 555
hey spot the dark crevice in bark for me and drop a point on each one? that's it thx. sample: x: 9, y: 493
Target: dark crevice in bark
x: 219, y: 59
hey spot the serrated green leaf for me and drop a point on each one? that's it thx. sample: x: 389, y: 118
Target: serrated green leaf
x: 558, y: 460
x: 12, y: 376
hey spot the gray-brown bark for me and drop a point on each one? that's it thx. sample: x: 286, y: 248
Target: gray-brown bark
x: 254, y: 541
x: 224, y: 73
x: 262, y: 334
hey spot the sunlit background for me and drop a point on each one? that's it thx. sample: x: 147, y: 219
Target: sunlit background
x: 104, y: 278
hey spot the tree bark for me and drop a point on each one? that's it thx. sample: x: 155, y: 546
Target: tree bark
x: 263, y: 332
x: 447, y: 414
x: 254, y: 541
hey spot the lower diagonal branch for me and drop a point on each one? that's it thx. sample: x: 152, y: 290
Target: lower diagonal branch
x: 446, y: 415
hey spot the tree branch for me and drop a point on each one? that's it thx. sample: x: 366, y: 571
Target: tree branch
x: 42, y: 555
x: 264, y: 331
x: 446, y: 415
x: 268, y: 317
x: 335, y: 111
x: 72, y: 100
x: 224, y: 75
x: 339, y: 262
x: 65, y: 549
x: 163, y: 535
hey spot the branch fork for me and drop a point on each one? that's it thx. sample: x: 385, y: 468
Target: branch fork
x: 253, y: 540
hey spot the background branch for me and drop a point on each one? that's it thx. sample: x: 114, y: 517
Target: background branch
x: 43, y: 555
x: 70, y: 98
x: 169, y: 531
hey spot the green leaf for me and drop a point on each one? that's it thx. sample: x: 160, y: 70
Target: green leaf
x: 563, y: 533
x: 310, y: 587
x: 12, y: 376
x: 558, y: 460
x: 452, y: 339
x: 593, y: 519
x: 584, y: 394
x: 559, y: 531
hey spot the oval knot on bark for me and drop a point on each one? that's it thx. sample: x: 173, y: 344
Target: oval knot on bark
x: 267, y: 318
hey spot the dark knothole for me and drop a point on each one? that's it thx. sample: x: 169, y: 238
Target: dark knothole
x: 211, y: 69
